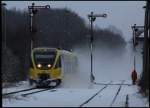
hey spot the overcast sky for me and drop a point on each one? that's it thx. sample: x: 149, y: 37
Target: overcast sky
x: 122, y: 14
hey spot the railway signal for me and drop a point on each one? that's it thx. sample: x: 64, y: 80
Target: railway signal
x: 137, y: 31
x: 32, y: 11
x: 92, y: 17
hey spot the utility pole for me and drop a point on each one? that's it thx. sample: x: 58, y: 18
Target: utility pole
x: 32, y: 11
x: 92, y: 18
x: 144, y: 82
x: 4, y: 19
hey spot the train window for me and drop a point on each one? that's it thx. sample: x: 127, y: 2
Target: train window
x: 58, y: 64
x: 44, y: 59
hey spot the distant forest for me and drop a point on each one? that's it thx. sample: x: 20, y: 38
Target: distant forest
x: 60, y: 28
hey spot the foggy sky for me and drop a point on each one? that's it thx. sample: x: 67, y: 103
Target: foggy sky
x: 122, y: 14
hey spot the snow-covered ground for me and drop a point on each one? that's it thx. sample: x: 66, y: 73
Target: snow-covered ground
x: 75, y: 97
x: 76, y: 89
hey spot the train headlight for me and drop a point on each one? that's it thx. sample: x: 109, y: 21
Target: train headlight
x: 48, y: 65
x: 39, y: 65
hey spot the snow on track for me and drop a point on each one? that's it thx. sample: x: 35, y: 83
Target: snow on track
x: 74, y: 97
x: 104, y: 98
x: 94, y: 95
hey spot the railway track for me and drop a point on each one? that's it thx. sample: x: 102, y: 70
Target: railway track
x: 19, y: 91
x: 88, y: 100
x: 25, y: 94
x: 102, y: 89
x: 111, y: 84
x: 29, y: 91
x: 117, y: 93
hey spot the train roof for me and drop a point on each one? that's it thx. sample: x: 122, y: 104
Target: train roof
x: 49, y: 48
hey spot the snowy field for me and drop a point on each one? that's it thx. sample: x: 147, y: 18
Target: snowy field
x: 76, y: 89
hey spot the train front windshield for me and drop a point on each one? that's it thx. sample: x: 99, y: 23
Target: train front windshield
x: 44, y: 60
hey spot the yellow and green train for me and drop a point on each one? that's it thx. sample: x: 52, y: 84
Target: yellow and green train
x: 48, y: 66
